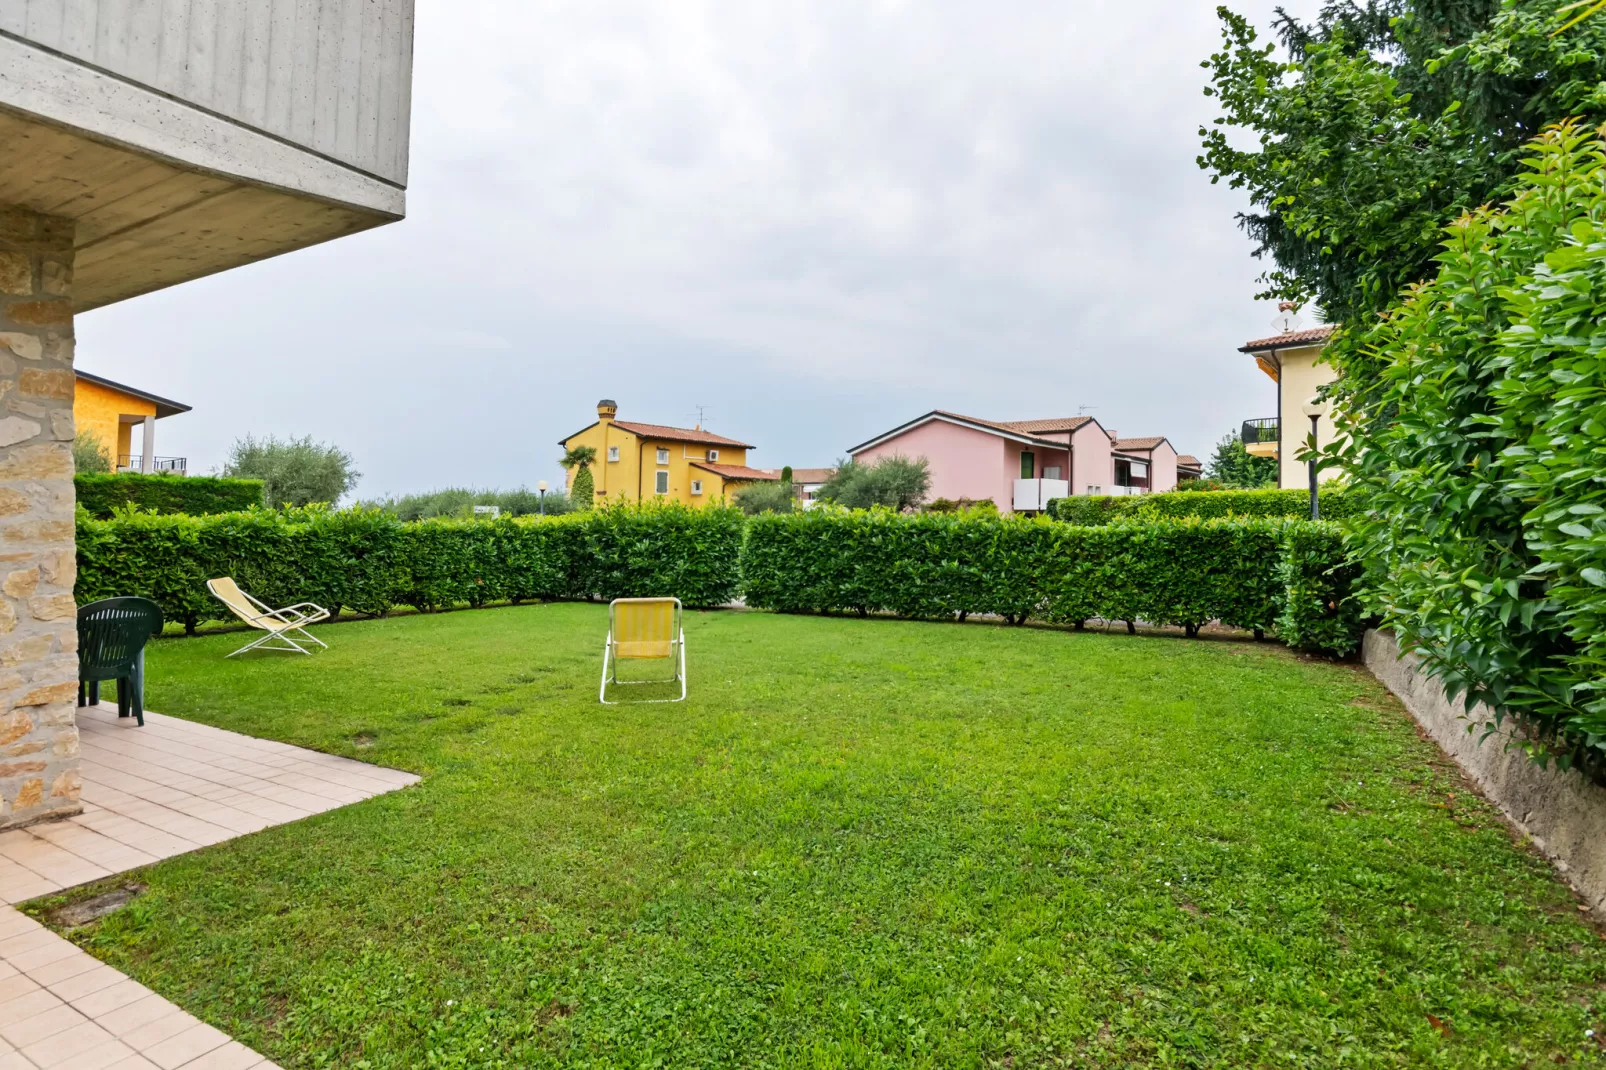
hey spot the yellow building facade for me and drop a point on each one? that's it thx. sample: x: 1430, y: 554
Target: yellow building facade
x: 1293, y: 361
x: 110, y: 411
x: 638, y: 461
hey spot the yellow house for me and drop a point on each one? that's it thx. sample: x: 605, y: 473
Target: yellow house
x: 110, y: 411
x: 1290, y: 359
x: 637, y: 461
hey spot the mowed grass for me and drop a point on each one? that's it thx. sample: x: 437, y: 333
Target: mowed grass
x: 860, y: 843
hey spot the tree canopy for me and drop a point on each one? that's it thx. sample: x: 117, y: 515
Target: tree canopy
x: 1384, y: 121
x: 896, y: 482
x: 296, y: 471
x: 1233, y: 467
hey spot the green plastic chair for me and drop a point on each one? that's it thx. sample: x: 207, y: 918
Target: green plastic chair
x: 112, y: 634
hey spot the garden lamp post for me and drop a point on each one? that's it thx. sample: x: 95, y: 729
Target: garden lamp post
x: 541, y: 486
x: 1315, y: 408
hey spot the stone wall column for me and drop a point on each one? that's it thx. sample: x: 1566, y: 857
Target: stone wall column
x: 38, y: 563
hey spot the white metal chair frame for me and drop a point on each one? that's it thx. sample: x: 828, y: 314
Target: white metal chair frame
x: 677, y: 657
x: 276, y: 622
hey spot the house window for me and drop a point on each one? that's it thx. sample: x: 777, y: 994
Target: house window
x: 663, y: 456
x: 613, y: 453
x: 1051, y: 471
x: 661, y: 485
x: 1028, y: 464
x: 696, y: 485
x: 713, y: 455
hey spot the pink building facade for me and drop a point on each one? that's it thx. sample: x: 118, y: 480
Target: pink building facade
x: 1020, y: 466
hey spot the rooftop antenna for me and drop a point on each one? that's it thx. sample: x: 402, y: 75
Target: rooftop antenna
x: 701, y: 412
x: 1083, y: 410
x: 1287, y: 319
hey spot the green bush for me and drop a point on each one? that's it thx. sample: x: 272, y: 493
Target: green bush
x: 367, y: 561
x: 1321, y: 611
x: 1479, y: 455
x: 1336, y: 504
x: 103, y: 493
x: 1184, y: 573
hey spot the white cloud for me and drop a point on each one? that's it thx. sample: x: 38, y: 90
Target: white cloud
x: 818, y: 217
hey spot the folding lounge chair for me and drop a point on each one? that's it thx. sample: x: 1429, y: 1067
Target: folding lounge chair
x: 646, y: 629
x: 276, y: 624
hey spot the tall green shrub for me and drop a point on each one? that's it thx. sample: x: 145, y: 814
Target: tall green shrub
x: 1335, y: 504
x: 104, y: 493
x: 1184, y: 573
x: 366, y: 560
x: 1478, y: 457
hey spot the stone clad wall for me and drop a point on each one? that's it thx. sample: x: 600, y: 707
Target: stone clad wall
x: 38, y: 630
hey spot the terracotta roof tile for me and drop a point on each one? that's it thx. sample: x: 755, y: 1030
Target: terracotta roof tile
x: 1035, y: 427
x: 679, y: 434
x: 1288, y: 340
x: 1137, y: 443
x: 737, y: 472
x: 812, y: 475
x: 1188, y: 460
x: 1009, y: 428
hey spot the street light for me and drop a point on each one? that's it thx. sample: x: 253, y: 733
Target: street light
x: 1315, y: 408
x: 541, y: 486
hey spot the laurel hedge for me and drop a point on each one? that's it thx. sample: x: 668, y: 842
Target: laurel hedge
x: 1335, y: 503
x: 367, y: 561
x: 103, y: 493
x: 1291, y: 576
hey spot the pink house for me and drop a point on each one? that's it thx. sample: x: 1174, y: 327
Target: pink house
x: 1020, y: 466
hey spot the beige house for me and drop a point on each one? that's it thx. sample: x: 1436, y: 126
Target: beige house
x: 1291, y: 360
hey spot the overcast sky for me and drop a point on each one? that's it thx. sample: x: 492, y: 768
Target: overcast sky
x: 815, y: 219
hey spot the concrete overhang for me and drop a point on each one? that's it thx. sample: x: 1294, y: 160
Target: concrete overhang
x: 163, y: 190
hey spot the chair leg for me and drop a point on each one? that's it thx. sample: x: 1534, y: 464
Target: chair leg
x: 83, y: 693
x: 138, y: 689
x: 94, y: 692
x: 123, y: 696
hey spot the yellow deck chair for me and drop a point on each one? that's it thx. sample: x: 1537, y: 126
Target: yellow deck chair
x: 277, y: 624
x: 644, y: 629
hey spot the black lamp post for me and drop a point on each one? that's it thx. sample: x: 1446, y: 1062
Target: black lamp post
x: 541, y: 486
x: 1315, y: 408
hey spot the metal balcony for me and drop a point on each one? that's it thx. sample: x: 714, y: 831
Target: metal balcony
x: 1257, y: 431
x: 162, y: 466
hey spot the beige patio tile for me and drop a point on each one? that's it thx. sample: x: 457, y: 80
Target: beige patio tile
x: 13, y: 1060
x: 111, y: 1053
x: 142, y: 1012
x: 155, y: 1032
x: 63, y: 1048
x: 134, y: 1062
x: 110, y: 998
x: 84, y: 983
x: 64, y: 970
x: 185, y: 1047
x: 37, y: 1027
x: 231, y: 1056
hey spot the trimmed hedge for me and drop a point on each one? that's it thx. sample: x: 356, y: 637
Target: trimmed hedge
x: 1174, y: 505
x: 1252, y: 574
x: 104, y: 493
x: 367, y: 561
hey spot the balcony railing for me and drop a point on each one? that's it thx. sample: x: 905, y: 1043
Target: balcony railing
x: 171, y: 466
x: 1033, y: 495
x: 1257, y: 431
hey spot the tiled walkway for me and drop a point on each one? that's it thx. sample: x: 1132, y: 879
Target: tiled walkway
x: 149, y: 793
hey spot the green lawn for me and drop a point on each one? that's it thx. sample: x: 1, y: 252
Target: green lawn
x: 860, y: 843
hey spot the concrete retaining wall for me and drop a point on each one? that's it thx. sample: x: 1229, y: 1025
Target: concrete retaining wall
x: 1563, y: 813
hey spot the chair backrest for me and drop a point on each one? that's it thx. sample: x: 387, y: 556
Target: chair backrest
x: 111, y: 633
x: 644, y: 627
x: 228, y: 592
